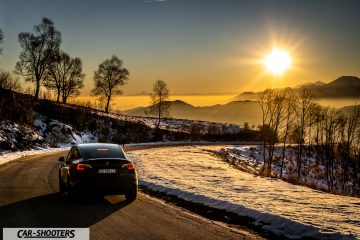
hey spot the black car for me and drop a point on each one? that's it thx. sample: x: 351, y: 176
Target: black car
x: 98, y: 168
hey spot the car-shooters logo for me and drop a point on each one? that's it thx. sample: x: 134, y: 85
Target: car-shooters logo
x: 46, y: 233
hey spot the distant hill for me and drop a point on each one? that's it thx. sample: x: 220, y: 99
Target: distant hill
x: 348, y: 109
x: 342, y: 87
x: 311, y: 84
x: 237, y: 112
x: 245, y: 108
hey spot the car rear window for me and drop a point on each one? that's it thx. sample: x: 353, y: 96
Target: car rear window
x: 103, y: 152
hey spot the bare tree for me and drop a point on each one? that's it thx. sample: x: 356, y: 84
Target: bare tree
x: 356, y: 163
x: 333, y: 119
x: 264, y: 100
x: 54, y: 74
x: 272, y: 103
x: 159, y: 98
x: 303, y: 110
x: 352, y: 127
x: 277, y: 110
x: 318, y: 116
x: 72, y: 85
x: 38, y: 50
x: 65, y: 76
x: 7, y: 81
x: 108, y: 79
x: 289, y: 120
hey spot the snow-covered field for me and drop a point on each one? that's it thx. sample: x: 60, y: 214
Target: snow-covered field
x: 250, y: 159
x: 194, y: 174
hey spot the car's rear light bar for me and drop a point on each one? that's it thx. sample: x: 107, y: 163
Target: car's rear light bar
x: 129, y: 166
x: 102, y: 149
x: 81, y: 166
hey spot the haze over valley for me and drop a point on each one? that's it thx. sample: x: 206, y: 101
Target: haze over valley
x: 244, y: 108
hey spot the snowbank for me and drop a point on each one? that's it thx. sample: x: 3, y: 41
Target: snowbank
x: 58, y: 134
x: 269, y: 222
x: 17, y: 136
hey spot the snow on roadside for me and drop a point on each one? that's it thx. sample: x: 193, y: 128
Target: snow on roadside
x: 18, y: 136
x: 250, y: 159
x: 11, y: 156
x: 47, y: 135
x: 195, y: 175
x: 58, y: 134
x: 273, y: 223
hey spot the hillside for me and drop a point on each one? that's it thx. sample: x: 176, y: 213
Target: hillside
x: 27, y: 124
x: 342, y: 87
x: 237, y: 112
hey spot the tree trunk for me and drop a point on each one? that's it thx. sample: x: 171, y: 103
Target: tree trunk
x: 264, y: 151
x: 283, y: 154
x: 270, y: 159
x: 299, y: 161
x: 37, y: 91
x: 107, y: 105
x: 158, y: 125
x: 159, y: 116
x: 58, y: 96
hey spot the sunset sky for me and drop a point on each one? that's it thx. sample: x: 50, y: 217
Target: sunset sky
x: 197, y: 46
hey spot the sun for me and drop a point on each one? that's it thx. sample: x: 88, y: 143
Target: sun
x: 277, y: 61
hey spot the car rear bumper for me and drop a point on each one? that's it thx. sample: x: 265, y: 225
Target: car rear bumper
x: 108, y: 186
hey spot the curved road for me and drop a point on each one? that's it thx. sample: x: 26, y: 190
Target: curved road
x: 29, y: 197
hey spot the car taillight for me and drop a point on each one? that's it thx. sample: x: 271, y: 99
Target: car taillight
x: 81, y: 166
x: 129, y: 166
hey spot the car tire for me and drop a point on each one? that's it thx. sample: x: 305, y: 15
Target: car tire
x: 131, y: 195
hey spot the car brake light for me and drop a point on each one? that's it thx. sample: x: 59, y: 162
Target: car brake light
x: 129, y: 166
x: 81, y: 166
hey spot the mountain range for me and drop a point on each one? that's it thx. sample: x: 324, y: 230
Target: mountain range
x: 245, y: 108
x: 342, y: 87
x: 237, y: 112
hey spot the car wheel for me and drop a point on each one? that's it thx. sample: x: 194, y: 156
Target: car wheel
x: 130, y: 196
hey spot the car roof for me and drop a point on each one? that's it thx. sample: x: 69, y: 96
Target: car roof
x: 89, y: 146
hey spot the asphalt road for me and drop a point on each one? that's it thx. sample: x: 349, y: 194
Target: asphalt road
x: 29, y: 197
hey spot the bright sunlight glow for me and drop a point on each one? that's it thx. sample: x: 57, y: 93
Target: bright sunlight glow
x: 277, y: 61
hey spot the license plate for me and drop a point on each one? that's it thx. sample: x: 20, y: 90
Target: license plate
x: 107, y: 171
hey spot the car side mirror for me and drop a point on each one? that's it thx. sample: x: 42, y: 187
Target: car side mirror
x: 61, y: 159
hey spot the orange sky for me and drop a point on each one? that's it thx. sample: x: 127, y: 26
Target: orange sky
x: 198, y: 46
